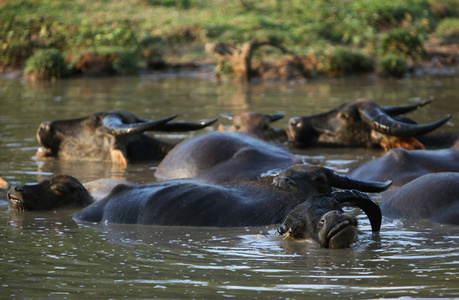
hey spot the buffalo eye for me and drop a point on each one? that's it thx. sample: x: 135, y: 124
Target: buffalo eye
x: 332, y: 205
x: 344, y: 116
x: 59, y: 190
x: 320, y: 180
x: 283, y: 182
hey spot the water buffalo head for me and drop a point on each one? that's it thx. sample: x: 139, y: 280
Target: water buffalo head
x: 58, y: 191
x: 116, y: 136
x: 312, y: 180
x: 322, y: 218
x: 361, y: 123
x: 255, y: 124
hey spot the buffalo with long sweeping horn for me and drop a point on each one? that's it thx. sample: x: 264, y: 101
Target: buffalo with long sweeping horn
x: 362, y: 123
x: 116, y: 136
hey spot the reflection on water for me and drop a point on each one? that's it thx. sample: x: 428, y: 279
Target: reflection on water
x: 48, y: 255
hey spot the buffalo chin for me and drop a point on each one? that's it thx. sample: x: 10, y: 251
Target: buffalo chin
x: 342, y: 238
x: 15, y: 204
x: 43, y: 152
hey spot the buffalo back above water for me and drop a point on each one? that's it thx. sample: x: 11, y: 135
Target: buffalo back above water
x: 223, y: 155
x: 191, y: 203
x: 432, y: 196
x: 197, y: 202
x: 402, y: 166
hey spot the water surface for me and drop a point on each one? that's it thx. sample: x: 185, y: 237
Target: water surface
x: 48, y: 255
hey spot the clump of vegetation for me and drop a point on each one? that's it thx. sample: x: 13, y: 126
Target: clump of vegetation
x: 392, y: 65
x: 46, y: 64
x: 105, y: 61
x: 403, y: 42
x: 448, y: 28
x: 341, y: 61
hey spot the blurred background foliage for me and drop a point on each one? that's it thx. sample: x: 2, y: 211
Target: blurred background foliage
x: 346, y: 36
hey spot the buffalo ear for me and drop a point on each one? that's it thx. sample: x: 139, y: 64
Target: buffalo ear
x: 119, y: 157
x: 364, y: 202
x: 4, y: 184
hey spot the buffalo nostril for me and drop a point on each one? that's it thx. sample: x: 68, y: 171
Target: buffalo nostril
x: 321, y: 223
x: 282, y: 229
x: 44, y: 126
x: 18, y: 189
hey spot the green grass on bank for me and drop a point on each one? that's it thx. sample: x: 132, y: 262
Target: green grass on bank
x: 175, y: 31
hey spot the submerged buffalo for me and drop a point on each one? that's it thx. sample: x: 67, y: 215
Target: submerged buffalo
x: 403, y: 166
x: 57, y: 192
x: 60, y: 191
x: 223, y: 156
x: 322, y: 218
x: 116, y: 136
x: 432, y: 196
x: 197, y: 202
x: 361, y: 123
x: 256, y: 125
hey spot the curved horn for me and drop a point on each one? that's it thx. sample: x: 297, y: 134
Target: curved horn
x: 114, y: 124
x: 382, y: 122
x: 275, y: 117
x: 364, y: 202
x: 227, y: 116
x: 403, y: 109
x: 346, y: 182
x: 185, y: 126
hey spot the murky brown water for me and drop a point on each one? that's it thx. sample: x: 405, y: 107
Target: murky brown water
x: 47, y: 255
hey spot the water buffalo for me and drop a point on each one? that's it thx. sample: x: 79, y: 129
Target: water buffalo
x: 402, y: 166
x: 361, y: 123
x: 223, y: 155
x: 56, y: 192
x: 432, y: 196
x: 60, y: 191
x: 322, y: 219
x: 256, y: 125
x: 116, y: 136
x: 197, y: 202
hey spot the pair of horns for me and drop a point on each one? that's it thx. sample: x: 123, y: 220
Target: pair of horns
x: 114, y: 124
x: 342, y: 181
x: 380, y: 119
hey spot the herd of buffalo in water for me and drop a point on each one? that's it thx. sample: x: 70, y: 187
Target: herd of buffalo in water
x: 245, y: 174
